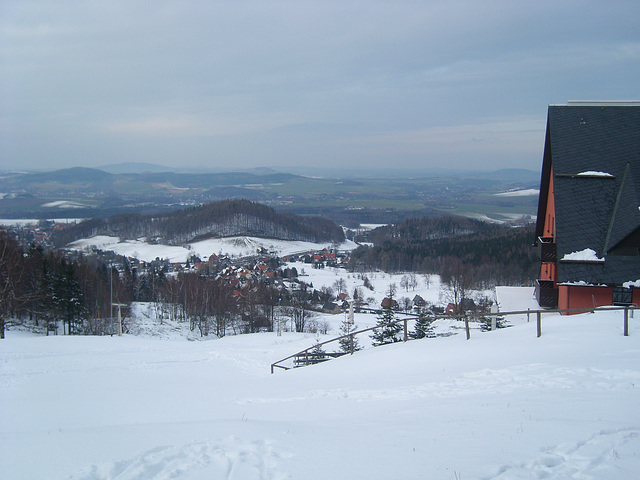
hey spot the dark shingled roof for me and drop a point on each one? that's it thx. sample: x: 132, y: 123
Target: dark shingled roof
x: 594, y: 211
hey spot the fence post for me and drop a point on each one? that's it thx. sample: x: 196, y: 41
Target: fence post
x: 466, y: 326
x: 626, y: 322
x: 405, y: 330
x: 351, y: 345
x: 539, y: 322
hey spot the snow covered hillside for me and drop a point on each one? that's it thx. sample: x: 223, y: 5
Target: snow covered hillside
x: 232, y: 246
x: 504, y: 405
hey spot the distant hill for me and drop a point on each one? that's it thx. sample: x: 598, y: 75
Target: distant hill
x: 80, y: 179
x: 135, y: 167
x: 219, y: 219
x: 144, y: 167
x: 511, y: 174
x: 68, y: 176
x: 375, y: 196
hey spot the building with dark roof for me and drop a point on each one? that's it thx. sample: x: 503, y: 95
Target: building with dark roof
x: 588, y: 225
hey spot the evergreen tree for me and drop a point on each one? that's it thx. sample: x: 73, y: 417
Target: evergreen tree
x: 386, y: 331
x: 348, y: 344
x: 317, y: 354
x: 68, y: 298
x: 424, y: 327
x: 485, y: 323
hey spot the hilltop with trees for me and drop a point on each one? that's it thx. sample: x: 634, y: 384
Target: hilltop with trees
x: 219, y: 219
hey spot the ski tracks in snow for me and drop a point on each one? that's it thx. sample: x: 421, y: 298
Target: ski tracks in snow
x: 231, y: 459
x: 605, y: 455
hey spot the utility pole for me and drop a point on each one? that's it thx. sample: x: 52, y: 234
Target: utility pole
x: 111, y: 298
x: 119, y: 305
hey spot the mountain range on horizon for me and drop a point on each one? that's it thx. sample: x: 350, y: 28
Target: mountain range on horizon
x: 141, y: 168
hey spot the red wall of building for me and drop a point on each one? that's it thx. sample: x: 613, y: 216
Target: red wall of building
x: 587, y: 297
x: 550, y: 214
x: 548, y: 271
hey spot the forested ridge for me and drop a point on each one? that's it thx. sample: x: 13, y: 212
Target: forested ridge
x: 219, y: 219
x: 492, y: 253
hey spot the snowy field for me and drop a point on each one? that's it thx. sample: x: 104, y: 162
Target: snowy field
x: 503, y: 405
x: 232, y: 246
x: 23, y: 222
x: 427, y: 286
x: 531, y: 192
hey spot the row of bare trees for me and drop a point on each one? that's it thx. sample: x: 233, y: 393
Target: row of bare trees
x: 212, y: 306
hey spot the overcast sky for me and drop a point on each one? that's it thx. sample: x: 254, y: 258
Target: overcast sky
x: 349, y: 83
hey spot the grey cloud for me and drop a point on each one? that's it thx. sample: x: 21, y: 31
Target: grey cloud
x: 288, y: 82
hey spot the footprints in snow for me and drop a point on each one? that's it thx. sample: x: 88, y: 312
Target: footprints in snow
x: 231, y: 459
x: 607, y: 454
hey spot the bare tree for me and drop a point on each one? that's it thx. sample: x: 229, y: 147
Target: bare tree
x: 391, y: 290
x: 413, y: 281
x: 405, y: 303
x: 340, y: 285
x: 269, y: 298
x: 300, y: 310
x: 358, y: 298
x: 460, y: 279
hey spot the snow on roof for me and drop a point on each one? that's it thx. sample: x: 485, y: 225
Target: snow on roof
x: 635, y: 284
x: 582, y: 283
x: 586, y: 255
x: 595, y: 174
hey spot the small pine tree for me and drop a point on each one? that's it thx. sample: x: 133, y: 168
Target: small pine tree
x: 485, y: 323
x: 317, y: 354
x: 424, y: 327
x: 386, y: 331
x: 348, y: 344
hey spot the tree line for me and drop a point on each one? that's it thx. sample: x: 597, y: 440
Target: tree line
x: 53, y: 291
x: 492, y: 254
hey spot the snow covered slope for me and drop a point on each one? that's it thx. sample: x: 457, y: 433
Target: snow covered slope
x: 232, y: 246
x: 504, y: 405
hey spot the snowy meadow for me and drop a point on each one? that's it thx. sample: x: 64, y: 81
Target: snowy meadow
x: 503, y: 405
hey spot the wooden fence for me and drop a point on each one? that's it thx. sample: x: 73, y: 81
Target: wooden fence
x: 307, y: 357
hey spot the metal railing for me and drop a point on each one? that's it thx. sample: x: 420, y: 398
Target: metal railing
x: 299, y: 357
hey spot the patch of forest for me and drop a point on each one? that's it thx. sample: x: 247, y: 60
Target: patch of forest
x: 491, y: 254
x: 218, y: 219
